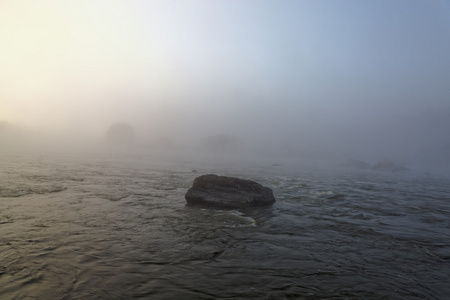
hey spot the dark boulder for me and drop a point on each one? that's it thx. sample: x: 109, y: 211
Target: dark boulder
x: 228, y: 192
x: 387, y: 165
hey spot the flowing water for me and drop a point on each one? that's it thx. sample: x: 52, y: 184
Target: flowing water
x: 117, y: 227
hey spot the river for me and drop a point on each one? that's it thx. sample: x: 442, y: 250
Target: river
x: 117, y: 227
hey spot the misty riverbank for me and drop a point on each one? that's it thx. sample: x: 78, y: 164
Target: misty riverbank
x: 117, y: 227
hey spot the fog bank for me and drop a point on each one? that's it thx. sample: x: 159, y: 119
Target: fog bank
x: 292, y: 80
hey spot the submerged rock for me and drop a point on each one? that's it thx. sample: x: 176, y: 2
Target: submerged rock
x: 228, y: 192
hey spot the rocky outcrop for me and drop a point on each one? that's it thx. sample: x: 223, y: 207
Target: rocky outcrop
x: 387, y: 165
x: 228, y: 192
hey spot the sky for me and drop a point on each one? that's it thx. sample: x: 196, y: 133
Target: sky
x: 309, y: 74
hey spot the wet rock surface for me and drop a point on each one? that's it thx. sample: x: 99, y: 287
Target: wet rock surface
x: 228, y: 192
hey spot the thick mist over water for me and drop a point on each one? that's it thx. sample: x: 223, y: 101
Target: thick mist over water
x: 111, y: 109
x: 298, y: 79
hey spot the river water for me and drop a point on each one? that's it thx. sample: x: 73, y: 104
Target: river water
x: 117, y: 227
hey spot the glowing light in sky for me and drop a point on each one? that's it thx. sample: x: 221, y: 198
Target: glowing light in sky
x: 97, y: 62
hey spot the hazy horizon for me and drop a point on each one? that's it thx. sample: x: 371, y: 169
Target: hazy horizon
x: 350, y: 79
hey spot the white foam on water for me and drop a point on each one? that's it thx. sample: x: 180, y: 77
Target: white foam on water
x: 233, y: 219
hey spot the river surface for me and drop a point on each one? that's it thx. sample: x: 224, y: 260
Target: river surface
x: 117, y: 227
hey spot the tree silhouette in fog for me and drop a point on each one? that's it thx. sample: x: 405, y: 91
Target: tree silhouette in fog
x: 120, y: 134
x: 221, y: 143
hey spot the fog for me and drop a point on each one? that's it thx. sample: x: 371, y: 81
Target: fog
x: 314, y: 80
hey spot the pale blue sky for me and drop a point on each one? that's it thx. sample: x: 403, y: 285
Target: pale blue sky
x: 344, y: 51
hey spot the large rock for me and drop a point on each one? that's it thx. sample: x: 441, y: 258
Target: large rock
x: 228, y: 192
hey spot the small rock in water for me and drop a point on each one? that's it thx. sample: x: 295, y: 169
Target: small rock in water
x: 228, y: 192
